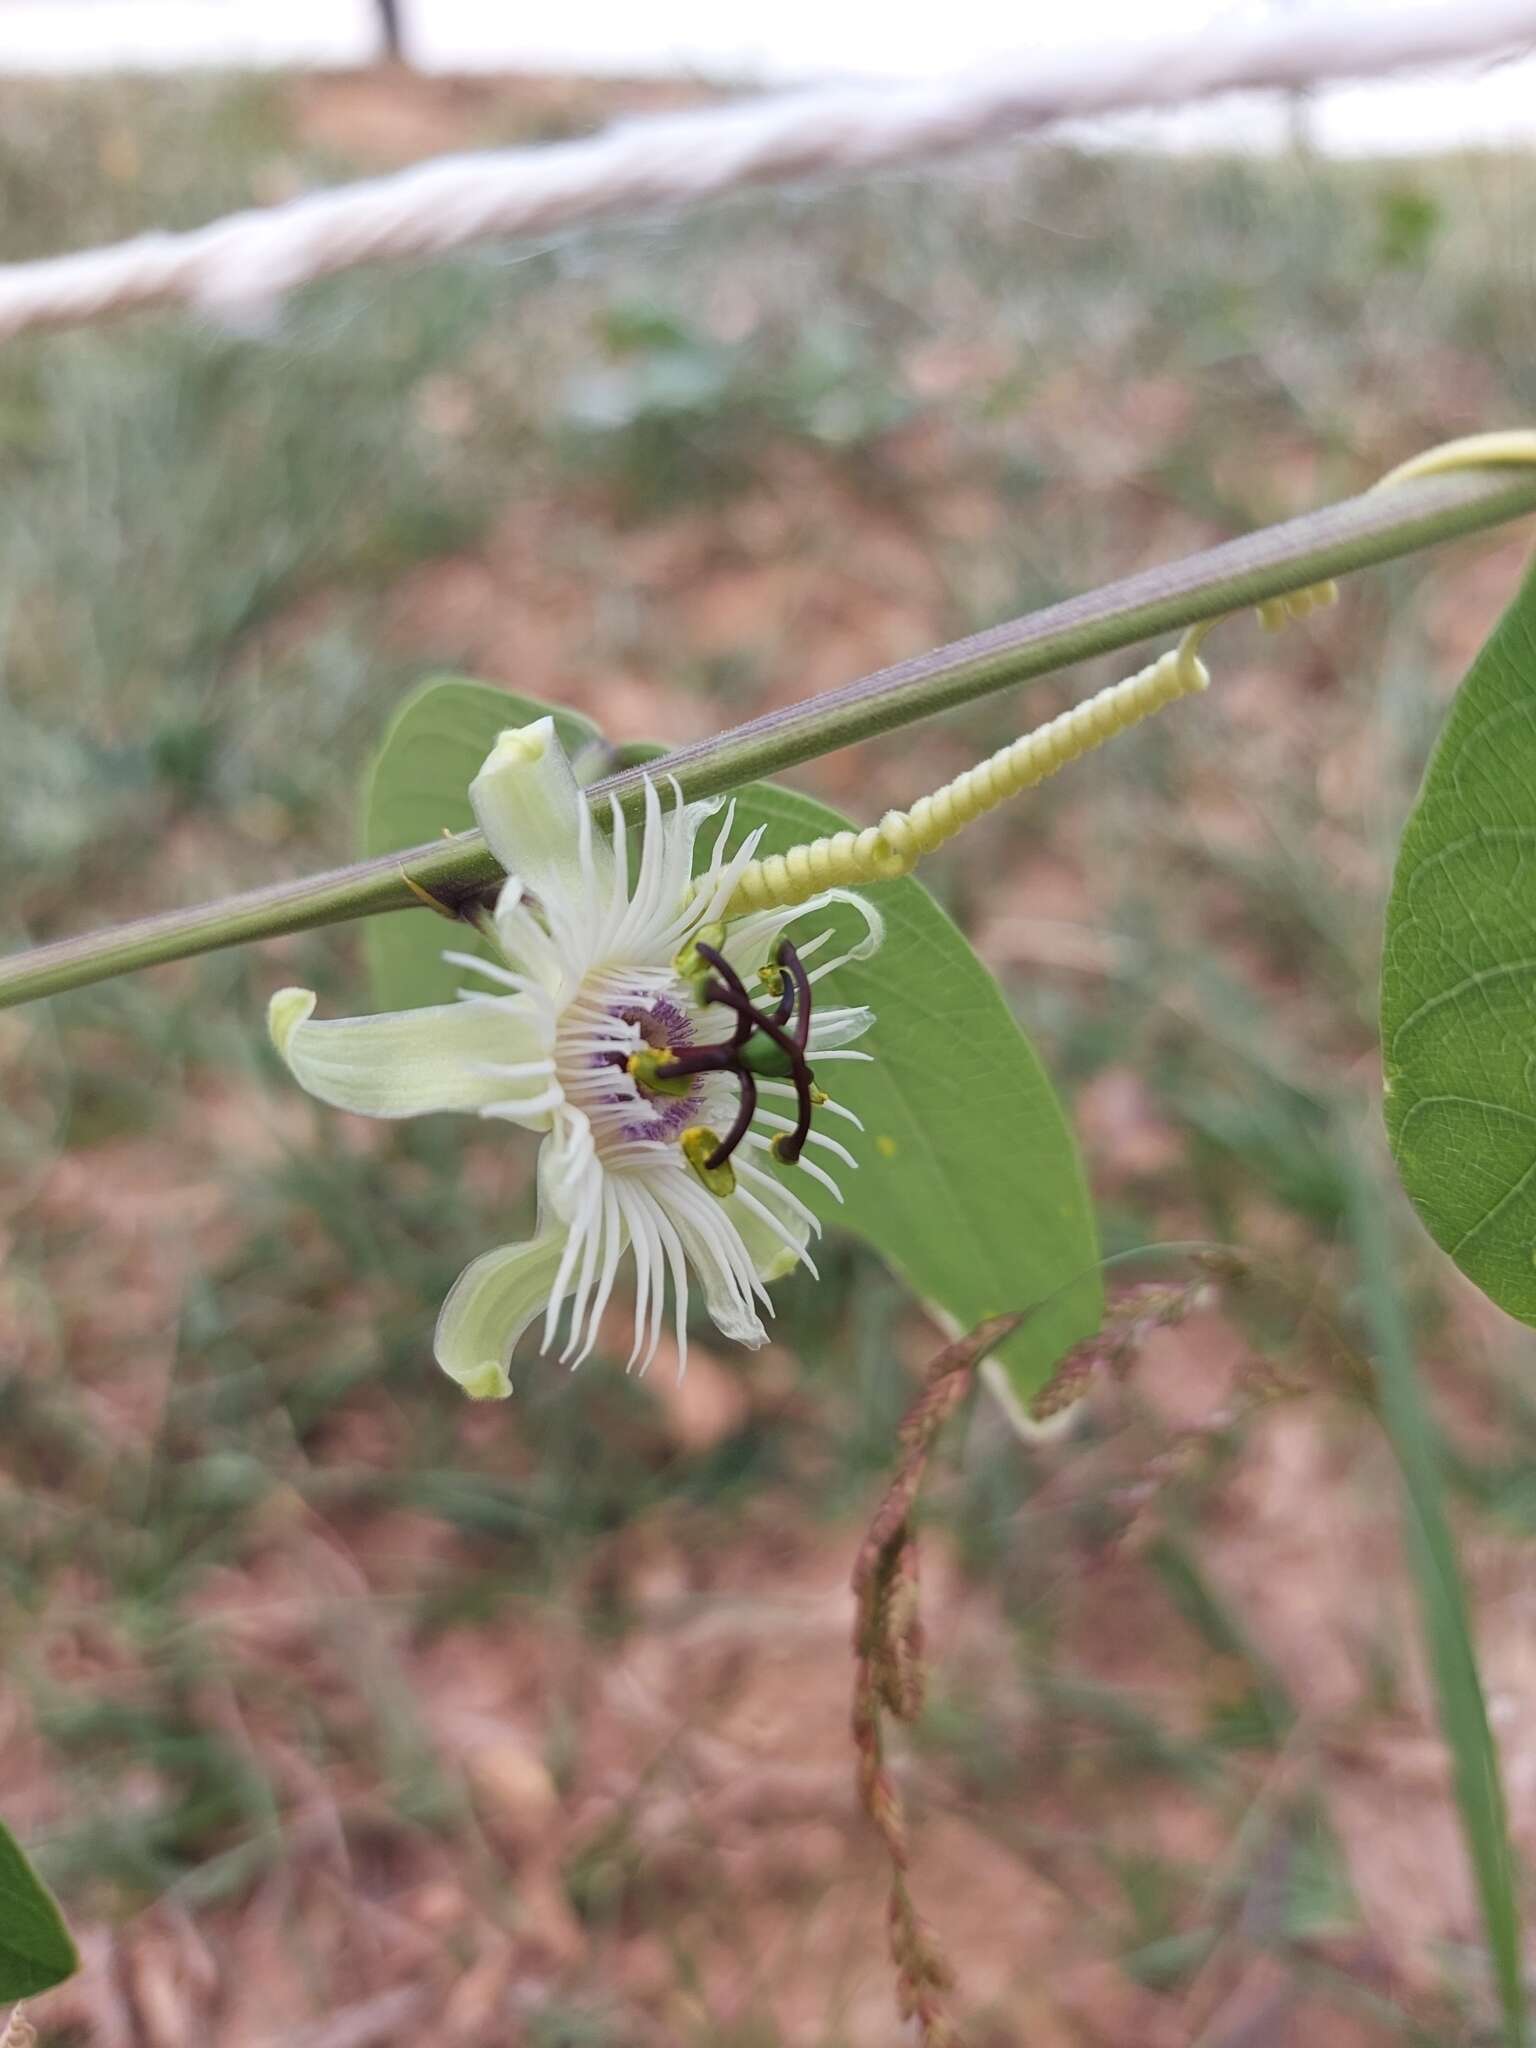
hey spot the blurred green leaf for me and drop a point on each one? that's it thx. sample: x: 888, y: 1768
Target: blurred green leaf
x: 417, y: 789
x: 969, y: 1180
x: 1458, y: 1002
x: 1408, y: 220
x: 35, y: 1949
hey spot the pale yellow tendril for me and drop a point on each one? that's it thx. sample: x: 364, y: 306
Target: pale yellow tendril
x: 19, y: 2031
x: 893, y: 847
x: 1276, y: 612
x: 1473, y: 451
x: 881, y: 853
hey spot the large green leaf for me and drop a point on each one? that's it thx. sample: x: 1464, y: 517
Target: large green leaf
x: 418, y: 789
x: 969, y: 1180
x: 1458, y: 1004
x: 35, y: 1949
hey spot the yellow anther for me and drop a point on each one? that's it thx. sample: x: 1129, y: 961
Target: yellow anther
x: 690, y: 964
x: 699, y: 1143
x: 642, y: 1066
x: 772, y: 978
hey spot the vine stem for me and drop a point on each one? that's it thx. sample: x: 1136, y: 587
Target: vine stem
x: 1378, y: 526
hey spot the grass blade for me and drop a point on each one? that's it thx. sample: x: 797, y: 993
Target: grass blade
x: 1443, y: 1607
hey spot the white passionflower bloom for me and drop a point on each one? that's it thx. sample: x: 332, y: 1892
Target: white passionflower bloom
x: 643, y: 1037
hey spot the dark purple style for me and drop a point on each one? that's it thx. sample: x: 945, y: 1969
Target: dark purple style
x: 763, y: 1041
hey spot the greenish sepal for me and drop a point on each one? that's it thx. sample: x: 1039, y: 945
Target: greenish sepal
x: 489, y: 1381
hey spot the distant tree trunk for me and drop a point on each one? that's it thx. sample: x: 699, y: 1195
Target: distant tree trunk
x: 392, y: 30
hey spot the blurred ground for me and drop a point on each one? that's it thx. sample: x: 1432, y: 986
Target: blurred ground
x: 342, y: 1713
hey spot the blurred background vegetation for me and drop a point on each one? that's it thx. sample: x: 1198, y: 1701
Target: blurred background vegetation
x: 341, y: 1712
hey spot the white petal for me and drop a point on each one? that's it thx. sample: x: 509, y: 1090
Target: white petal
x: 833, y: 1028
x: 489, y: 1307
x: 752, y: 939
x: 774, y: 1240
x: 617, y: 1240
x: 677, y: 1259
x: 533, y: 1112
x: 678, y: 1264
x: 717, y: 1251
x: 666, y: 846
x: 548, y: 965
x: 781, y: 1197
x: 618, y: 888
x: 841, y: 1109
x: 571, y: 1185
x: 407, y: 1062
x: 493, y: 970
x: 783, y: 1091
x: 776, y: 1122
x: 804, y: 1164
x: 688, y: 903
x: 529, y: 806
x: 717, y: 885
x: 570, y: 1179
x: 640, y: 1211
x: 592, y: 1247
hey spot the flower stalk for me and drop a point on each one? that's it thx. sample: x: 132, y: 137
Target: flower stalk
x: 1417, y: 511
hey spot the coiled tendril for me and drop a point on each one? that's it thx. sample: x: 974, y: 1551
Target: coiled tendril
x: 881, y: 853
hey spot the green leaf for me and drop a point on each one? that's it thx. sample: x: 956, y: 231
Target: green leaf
x: 417, y: 789
x: 1458, y: 1003
x: 1443, y: 1611
x: 969, y: 1180
x: 35, y: 1949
